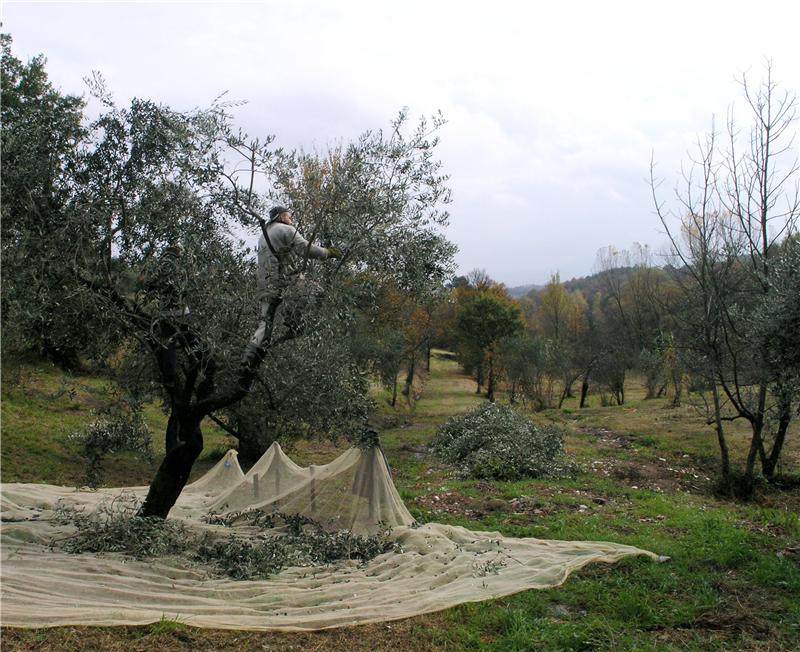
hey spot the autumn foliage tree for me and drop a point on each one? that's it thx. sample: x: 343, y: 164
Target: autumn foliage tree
x: 561, y: 319
x: 483, y: 322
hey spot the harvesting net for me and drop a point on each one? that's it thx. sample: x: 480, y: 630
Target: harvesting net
x: 437, y: 566
x: 354, y: 492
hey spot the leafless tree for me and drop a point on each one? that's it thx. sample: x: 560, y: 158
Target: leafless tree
x: 735, y: 210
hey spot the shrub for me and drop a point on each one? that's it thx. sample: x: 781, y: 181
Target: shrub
x: 495, y: 441
x: 125, y: 432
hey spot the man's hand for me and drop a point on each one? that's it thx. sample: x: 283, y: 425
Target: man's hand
x: 335, y: 252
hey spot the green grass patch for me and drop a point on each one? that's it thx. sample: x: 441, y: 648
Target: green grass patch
x: 42, y: 406
x: 733, y: 581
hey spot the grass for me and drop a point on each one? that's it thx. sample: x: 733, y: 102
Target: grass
x: 41, y: 406
x: 733, y: 582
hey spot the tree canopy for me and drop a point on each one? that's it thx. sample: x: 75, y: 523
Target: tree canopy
x: 124, y: 243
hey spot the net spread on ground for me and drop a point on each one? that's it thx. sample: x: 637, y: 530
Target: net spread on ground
x: 435, y: 566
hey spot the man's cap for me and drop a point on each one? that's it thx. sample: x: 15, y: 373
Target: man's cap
x: 275, y: 211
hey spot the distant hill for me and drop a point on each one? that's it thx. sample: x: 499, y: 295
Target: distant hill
x: 520, y: 291
x: 588, y: 285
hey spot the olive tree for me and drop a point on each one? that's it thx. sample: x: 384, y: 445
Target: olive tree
x: 527, y: 360
x: 40, y: 129
x: 145, y: 237
x: 378, y: 200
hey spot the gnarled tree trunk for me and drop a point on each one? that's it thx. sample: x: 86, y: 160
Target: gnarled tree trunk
x: 172, y: 475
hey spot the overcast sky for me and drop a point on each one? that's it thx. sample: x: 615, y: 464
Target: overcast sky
x: 553, y: 112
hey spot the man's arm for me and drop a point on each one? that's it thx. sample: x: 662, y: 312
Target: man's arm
x: 302, y: 247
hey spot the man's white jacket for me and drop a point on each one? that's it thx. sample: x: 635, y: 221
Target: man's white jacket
x: 277, y: 268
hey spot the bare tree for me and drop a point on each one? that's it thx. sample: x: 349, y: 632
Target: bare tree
x: 735, y: 209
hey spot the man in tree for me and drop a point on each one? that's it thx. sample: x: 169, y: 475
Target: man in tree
x: 282, y: 253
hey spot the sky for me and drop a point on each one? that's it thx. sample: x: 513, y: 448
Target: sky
x: 553, y: 112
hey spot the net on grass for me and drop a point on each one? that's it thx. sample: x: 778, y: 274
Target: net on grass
x: 440, y: 566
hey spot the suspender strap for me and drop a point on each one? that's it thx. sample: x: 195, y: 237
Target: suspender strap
x: 266, y: 237
x: 279, y: 258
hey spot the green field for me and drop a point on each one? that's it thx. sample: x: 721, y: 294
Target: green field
x: 733, y: 582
